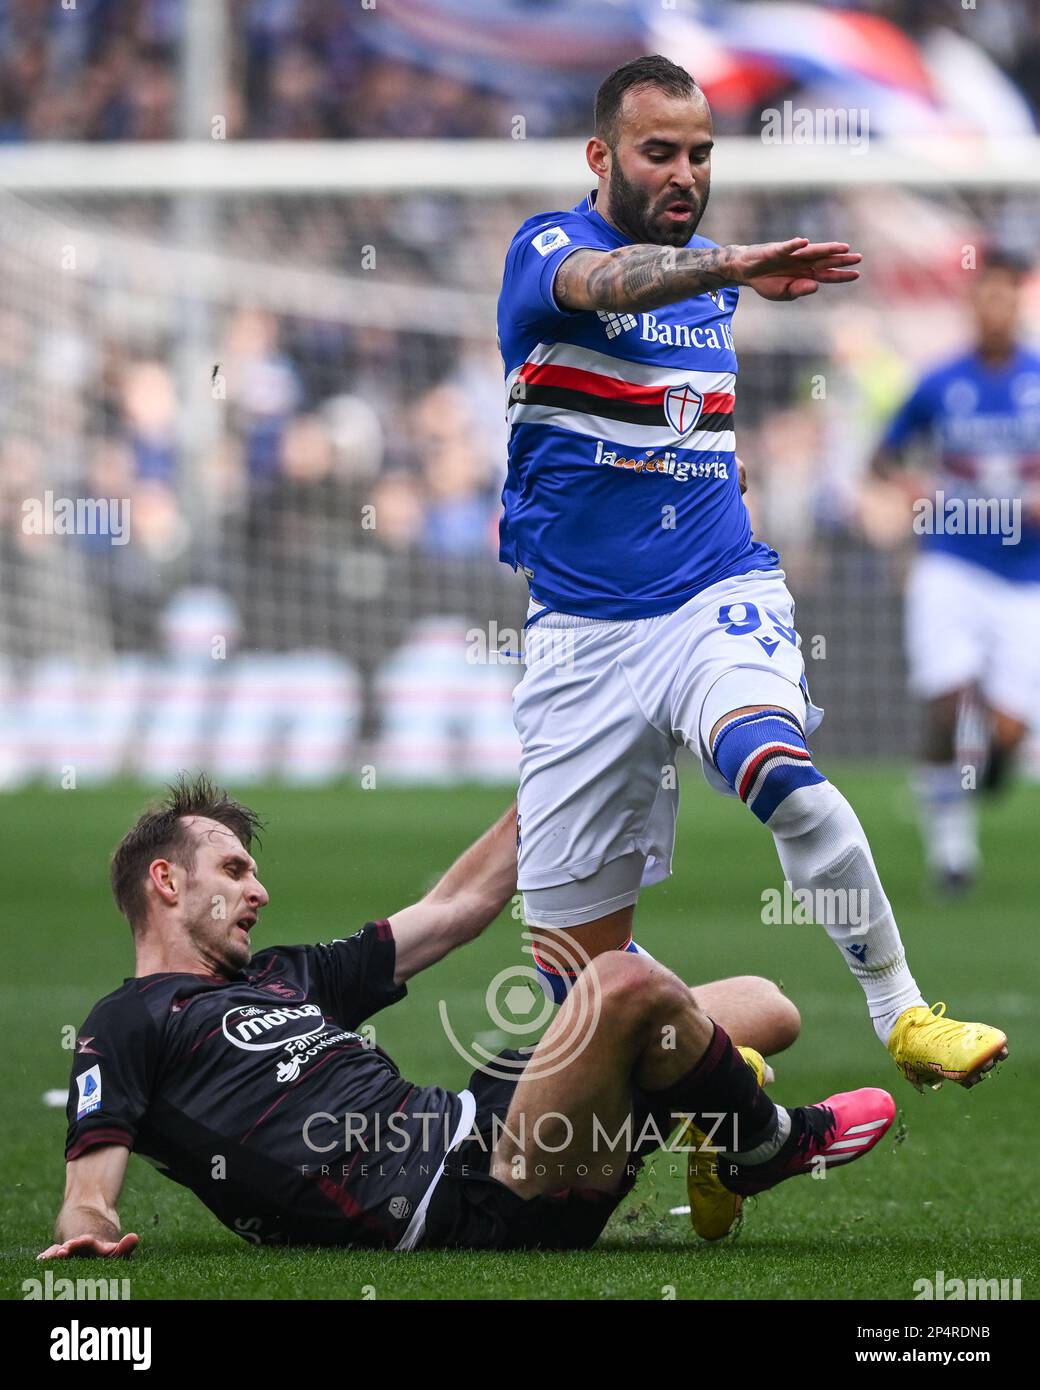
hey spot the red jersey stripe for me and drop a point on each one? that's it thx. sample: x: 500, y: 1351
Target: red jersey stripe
x: 593, y: 383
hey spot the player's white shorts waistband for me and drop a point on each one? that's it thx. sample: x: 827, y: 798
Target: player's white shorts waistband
x: 605, y: 705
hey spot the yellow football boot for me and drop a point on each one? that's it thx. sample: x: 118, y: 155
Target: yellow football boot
x: 929, y: 1048
x: 713, y: 1209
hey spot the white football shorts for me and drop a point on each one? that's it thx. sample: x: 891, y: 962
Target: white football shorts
x: 602, y: 710
x: 966, y: 626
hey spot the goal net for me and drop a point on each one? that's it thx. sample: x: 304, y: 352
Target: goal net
x: 253, y: 440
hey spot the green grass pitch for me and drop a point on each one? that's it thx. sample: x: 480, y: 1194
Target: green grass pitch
x: 951, y: 1191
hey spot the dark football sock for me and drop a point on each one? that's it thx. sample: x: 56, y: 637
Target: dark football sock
x: 998, y: 769
x: 723, y: 1083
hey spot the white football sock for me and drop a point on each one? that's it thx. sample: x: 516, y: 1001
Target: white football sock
x: 822, y: 848
x: 763, y: 1152
x: 948, y: 819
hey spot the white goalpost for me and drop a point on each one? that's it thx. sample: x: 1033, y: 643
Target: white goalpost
x: 284, y: 356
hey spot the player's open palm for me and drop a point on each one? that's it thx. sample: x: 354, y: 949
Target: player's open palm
x: 92, y: 1246
x: 784, y: 270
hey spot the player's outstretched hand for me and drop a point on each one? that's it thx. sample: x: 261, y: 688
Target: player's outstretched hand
x: 92, y: 1246
x: 784, y: 270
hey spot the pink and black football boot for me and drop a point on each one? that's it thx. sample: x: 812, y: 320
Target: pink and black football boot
x: 837, y: 1130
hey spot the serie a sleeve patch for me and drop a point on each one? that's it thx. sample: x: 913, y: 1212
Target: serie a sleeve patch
x: 89, y: 1085
x: 550, y: 240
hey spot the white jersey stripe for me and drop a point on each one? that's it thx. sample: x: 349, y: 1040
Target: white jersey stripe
x: 636, y: 373
x: 619, y: 431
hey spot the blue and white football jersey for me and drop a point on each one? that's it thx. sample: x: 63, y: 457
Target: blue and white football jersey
x: 984, y: 424
x: 622, y: 498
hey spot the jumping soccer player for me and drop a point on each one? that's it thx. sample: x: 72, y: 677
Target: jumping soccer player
x: 973, y: 599
x: 656, y: 619
x: 245, y: 1079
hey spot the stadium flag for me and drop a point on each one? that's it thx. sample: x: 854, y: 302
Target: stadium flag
x: 845, y: 58
x: 739, y: 53
x: 732, y: 81
x: 978, y: 97
x: 472, y: 39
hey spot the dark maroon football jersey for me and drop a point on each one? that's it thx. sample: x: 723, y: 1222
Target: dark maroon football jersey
x: 258, y: 1093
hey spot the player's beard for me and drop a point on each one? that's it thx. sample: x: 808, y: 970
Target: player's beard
x: 237, y: 954
x: 632, y: 212
x: 217, y: 940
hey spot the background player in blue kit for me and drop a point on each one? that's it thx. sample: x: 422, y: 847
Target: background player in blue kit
x: 657, y: 620
x: 973, y: 599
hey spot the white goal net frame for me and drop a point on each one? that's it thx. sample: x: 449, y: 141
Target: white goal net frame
x: 286, y: 353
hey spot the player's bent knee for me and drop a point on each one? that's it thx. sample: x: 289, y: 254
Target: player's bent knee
x: 784, y: 1017
x: 632, y: 988
x: 764, y: 758
x: 620, y: 974
x: 779, y: 1017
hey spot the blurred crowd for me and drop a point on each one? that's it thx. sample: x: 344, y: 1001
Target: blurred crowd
x: 308, y: 69
x: 317, y: 502
x: 321, y: 471
x: 341, y: 509
x: 347, y: 484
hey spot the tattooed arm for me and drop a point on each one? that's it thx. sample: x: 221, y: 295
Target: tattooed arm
x: 634, y: 278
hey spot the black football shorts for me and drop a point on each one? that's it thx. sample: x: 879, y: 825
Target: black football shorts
x: 471, y: 1210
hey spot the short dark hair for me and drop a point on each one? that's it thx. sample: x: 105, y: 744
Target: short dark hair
x: 160, y: 833
x: 653, y: 70
x: 1004, y: 256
